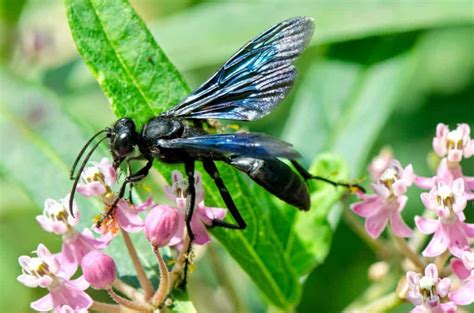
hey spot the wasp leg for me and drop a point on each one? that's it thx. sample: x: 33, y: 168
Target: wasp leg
x: 189, y: 169
x: 211, y: 169
x: 306, y: 175
x: 139, y: 175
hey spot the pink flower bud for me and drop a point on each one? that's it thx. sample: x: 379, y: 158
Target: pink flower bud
x: 99, y: 269
x: 161, y: 224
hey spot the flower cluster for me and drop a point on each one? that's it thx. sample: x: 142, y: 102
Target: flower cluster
x: 446, y: 201
x: 164, y: 225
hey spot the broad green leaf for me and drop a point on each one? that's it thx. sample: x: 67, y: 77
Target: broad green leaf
x: 130, y: 67
x: 238, y: 22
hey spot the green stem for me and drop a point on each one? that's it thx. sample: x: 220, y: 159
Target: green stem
x: 163, y: 289
x: 141, y: 307
x: 128, y: 290
x: 180, y: 260
x: 384, y: 304
x: 409, y: 253
x: 106, y: 307
x: 141, y: 275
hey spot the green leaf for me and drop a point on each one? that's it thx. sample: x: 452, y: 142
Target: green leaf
x: 130, y: 67
x: 238, y: 22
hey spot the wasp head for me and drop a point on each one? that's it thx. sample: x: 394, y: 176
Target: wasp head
x: 122, y: 140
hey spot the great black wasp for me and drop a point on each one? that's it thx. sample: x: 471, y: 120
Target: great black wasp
x: 247, y: 87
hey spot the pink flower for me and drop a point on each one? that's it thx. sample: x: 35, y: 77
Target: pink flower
x: 449, y: 229
x: 464, y: 270
x: 97, y: 179
x: 380, y: 163
x: 447, y: 173
x: 453, y: 144
x: 161, y: 224
x: 426, y: 291
x: 45, y: 271
x: 388, y: 202
x: 99, y: 269
x: 57, y: 219
x: 124, y: 216
x: 202, y: 215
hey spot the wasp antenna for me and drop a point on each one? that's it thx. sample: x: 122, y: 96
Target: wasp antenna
x: 76, y: 179
x: 84, y: 148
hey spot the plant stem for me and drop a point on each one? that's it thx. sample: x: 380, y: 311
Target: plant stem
x: 440, y: 263
x: 128, y: 290
x: 106, y: 307
x: 164, y: 287
x: 180, y: 260
x: 142, y: 278
x: 378, y: 247
x: 409, y: 253
x: 142, y: 307
x: 383, y: 304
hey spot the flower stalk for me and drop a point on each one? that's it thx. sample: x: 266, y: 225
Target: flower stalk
x: 141, y: 275
x: 141, y: 307
x: 163, y: 289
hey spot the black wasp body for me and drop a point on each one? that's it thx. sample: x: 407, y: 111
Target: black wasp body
x: 247, y: 87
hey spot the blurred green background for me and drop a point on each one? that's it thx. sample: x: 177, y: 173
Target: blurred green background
x: 384, y: 71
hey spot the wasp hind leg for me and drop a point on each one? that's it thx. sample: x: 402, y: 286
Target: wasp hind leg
x: 211, y: 169
x: 307, y: 175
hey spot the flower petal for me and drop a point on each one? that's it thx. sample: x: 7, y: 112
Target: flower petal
x: 381, y: 190
x: 459, y: 269
x: 442, y: 288
x: 399, y: 227
x: 199, y: 231
x: 28, y: 280
x: 426, y: 225
x: 376, y: 223
x: 424, y: 182
x: 91, y: 189
x: 367, y: 207
x: 438, y: 244
x: 468, y: 229
x: 457, y: 239
x: 431, y: 271
x: 464, y: 295
x: 43, y: 304
x: 127, y: 217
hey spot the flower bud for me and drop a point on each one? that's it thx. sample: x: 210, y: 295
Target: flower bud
x: 99, y: 269
x: 161, y: 224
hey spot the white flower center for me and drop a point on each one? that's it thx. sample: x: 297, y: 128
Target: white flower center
x: 454, y: 139
x: 426, y: 283
x: 389, y: 174
x: 444, y: 192
x: 37, y: 267
x: 445, y: 196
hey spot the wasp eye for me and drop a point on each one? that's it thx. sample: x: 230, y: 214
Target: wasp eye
x: 123, y: 144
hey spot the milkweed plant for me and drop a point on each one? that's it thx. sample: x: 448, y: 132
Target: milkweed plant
x: 439, y: 277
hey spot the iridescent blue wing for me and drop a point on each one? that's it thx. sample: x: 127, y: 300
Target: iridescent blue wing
x: 254, y: 80
x: 256, y: 145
